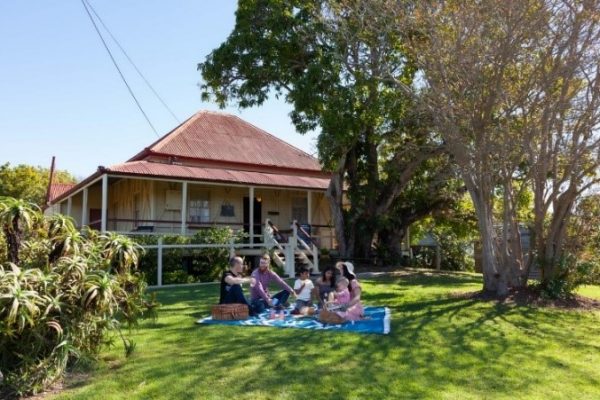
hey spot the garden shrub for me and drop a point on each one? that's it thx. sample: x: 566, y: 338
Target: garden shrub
x: 189, y: 265
x: 63, y: 295
x: 569, y: 275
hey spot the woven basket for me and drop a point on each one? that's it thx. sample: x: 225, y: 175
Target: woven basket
x: 329, y: 317
x: 229, y: 312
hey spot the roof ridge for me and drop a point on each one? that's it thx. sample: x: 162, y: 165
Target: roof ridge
x: 157, y: 141
x: 273, y: 136
x: 192, y: 137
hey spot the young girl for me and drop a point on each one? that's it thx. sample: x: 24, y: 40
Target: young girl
x: 341, y: 296
x: 325, y: 285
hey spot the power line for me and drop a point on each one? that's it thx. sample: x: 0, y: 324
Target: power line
x: 132, y: 63
x: 117, y: 67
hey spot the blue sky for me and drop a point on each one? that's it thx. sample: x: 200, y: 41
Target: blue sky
x: 60, y: 94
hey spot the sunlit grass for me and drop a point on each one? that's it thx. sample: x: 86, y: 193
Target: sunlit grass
x: 592, y: 291
x: 441, y: 347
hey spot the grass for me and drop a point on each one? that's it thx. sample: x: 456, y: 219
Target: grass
x: 440, y: 347
x: 590, y: 291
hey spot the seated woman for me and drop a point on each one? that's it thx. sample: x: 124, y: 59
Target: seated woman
x: 324, y: 285
x: 353, y: 308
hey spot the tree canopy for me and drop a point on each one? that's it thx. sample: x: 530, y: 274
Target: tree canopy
x: 514, y: 90
x: 29, y: 183
x: 340, y: 74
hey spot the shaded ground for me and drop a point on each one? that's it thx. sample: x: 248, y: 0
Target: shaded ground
x: 523, y: 296
x: 532, y: 296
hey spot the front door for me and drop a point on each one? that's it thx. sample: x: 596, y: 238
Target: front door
x: 257, y: 216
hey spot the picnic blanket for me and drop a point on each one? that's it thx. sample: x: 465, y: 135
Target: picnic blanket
x: 377, y: 320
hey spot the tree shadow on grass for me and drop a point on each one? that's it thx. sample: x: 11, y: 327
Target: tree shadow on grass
x: 438, y: 342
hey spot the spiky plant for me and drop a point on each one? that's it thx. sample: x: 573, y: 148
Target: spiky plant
x: 16, y: 215
x: 123, y: 252
x: 62, y: 298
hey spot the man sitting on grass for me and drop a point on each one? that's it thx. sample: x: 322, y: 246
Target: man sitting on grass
x: 231, y: 284
x: 259, y: 293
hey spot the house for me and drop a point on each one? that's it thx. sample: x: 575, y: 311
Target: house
x: 213, y: 169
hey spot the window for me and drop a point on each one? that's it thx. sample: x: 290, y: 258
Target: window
x: 300, y: 209
x: 199, y: 209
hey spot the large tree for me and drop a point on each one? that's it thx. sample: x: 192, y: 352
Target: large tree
x: 513, y: 88
x: 335, y: 62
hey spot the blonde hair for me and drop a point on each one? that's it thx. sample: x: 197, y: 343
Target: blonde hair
x: 344, y: 281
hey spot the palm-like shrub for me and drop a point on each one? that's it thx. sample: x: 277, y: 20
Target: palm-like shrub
x: 16, y: 215
x: 62, y: 298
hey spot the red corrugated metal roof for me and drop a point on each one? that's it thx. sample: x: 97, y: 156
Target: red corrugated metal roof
x: 57, y: 189
x: 216, y: 136
x: 145, y: 168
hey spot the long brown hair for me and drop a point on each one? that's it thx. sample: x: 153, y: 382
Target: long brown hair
x: 324, y: 274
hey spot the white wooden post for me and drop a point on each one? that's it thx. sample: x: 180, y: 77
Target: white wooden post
x: 251, y: 214
x: 290, y: 269
x: 152, y: 206
x: 159, y: 262
x: 231, y: 248
x: 104, y: 203
x: 315, y: 250
x: 69, y: 206
x: 85, y: 216
x: 184, y: 208
x: 293, y: 245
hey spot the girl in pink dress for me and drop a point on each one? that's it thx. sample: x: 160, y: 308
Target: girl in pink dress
x: 341, y: 294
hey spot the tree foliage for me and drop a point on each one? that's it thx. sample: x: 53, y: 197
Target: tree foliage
x: 455, y: 230
x: 514, y: 90
x: 29, y: 183
x: 338, y: 65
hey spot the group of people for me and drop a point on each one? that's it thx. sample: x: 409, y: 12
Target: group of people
x: 337, y: 288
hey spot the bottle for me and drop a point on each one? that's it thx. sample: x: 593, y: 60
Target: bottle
x: 275, y: 301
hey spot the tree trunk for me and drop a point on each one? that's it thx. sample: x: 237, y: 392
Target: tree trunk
x: 512, y: 250
x: 555, y: 238
x: 13, y: 242
x: 391, y: 240
x: 494, y: 279
x: 364, y: 234
x: 335, y: 195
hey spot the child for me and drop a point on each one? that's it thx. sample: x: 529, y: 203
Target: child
x: 341, y: 295
x: 303, y: 288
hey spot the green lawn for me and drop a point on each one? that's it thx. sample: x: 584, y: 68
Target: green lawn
x: 440, y: 347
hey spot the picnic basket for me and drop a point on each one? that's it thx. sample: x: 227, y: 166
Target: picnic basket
x: 229, y: 312
x: 329, y: 317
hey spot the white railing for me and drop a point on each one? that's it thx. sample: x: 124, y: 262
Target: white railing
x: 295, y: 246
x: 231, y: 246
x: 283, y: 253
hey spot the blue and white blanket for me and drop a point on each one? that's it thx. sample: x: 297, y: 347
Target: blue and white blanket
x: 377, y: 320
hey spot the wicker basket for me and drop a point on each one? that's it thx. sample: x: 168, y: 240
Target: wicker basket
x: 229, y: 312
x: 329, y: 317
